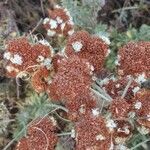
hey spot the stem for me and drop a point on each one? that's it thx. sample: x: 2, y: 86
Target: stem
x: 127, y: 87
x: 99, y: 94
x: 63, y: 134
x: 140, y: 144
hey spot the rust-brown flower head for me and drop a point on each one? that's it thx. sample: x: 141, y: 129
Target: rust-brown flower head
x: 116, y: 86
x: 23, y: 56
x: 134, y: 59
x: 73, y: 77
x: 141, y: 107
x: 79, y: 106
x: 59, y: 22
x: 88, y: 47
x: 119, y: 108
x: 39, y: 80
x: 92, y: 133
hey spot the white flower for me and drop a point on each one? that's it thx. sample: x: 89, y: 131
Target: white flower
x: 59, y: 20
x: 95, y: 112
x: 63, y: 26
x: 141, y: 78
x: 40, y: 58
x: 148, y: 117
x: 46, y: 20
x: 7, y: 55
x: 125, y: 130
x: 100, y: 137
x: 108, y: 52
x: 121, y: 147
x: 137, y: 105
x: 47, y: 63
x: 82, y: 109
x: 70, y: 32
x: 53, y: 121
x: 11, y: 68
x: 53, y: 23
x: 105, y: 39
x: 44, y: 42
x: 16, y: 59
x: 73, y: 133
x: 117, y: 85
x: 111, y: 124
x: 51, y: 33
x: 77, y: 46
x: 118, y: 60
x: 135, y: 90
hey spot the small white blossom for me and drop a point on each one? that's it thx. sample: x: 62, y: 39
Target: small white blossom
x: 16, y: 59
x: 82, y: 109
x: 11, y: 68
x: 53, y: 121
x: 44, y: 42
x: 47, y: 63
x: 117, y: 85
x: 46, y: 20
x: 105, y: 39
x: 77, y: 46
x: 40, y: 58
x: 135, y: 90
x: 111, y: 124
x: 148, y: 117
x: 100, y: 137
x: 121, y: 147
x: 108, y: 52
x: 53, y: 24
x: 51, y: 33
x: 70, y: 32
x: 125, y: 130
x: 137, y: 105
x: 59, y: 20
x: 73, y: 133
x: 63, y: 26
x: 7, y: 55
x: 141, y: 78
x: 95, y: 112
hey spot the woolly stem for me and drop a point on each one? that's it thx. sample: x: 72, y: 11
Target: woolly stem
x: 100, y: 95
x: 127, y: 87
x: 140, y: 144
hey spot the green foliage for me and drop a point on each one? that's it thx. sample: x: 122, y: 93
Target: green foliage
x: 36, y: 106
x: 84, y: 13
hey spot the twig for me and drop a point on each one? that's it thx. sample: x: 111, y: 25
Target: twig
x: 127, y: 87
x: 140, y: 144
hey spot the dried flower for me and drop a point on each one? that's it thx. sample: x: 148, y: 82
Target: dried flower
x: 39, y: 80
x: 72, y: 78
x: 23, y: 56
x: 59, y: 22
x: 141, y: 106
x: 80, y: 105
x: 119, y: 108
x: 92, y: 133
x: 134, y: 59
x: 88, y: 47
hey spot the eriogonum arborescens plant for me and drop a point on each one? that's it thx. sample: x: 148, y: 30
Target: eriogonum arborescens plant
x: 23, y: 56
x: 92, y: 48
x: 40, y: 135
x: 133, y: 59
x: 59, y: 22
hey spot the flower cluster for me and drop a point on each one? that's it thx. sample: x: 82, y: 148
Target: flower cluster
x: 85, y: 46
x: 21, y: 56
x: 133, y: 59
x: 40, y: 135
x: 115, y: 87
x: 59, y: 22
